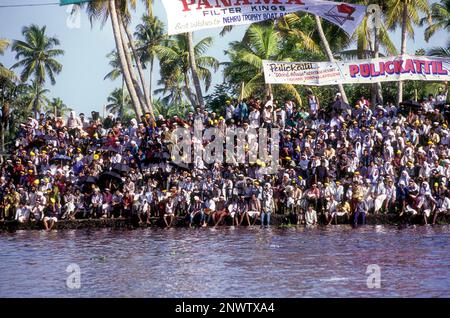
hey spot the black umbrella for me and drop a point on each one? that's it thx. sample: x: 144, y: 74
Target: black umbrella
x: 120, y: 167
x: 340, y: 105
x: 411, y: 104
x: 111, y: 180
x: 111, y: 175
x: 110, y: 148
x: 49, y: 137
x: 87, y: 179
x: 61, y: 158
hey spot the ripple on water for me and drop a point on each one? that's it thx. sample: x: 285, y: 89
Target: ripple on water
x: 228, y: 262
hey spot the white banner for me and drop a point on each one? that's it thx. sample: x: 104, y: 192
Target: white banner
x: 191, y: 15
x: 389, y: 69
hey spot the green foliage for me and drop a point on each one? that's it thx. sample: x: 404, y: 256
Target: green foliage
x: 119, y: 103
x: 57, y: 104
x: 175, y: 68
x: 169, y: 110
x: 438, y: 18
x: 37, y: 55
x: 114, y: 62
x: 215, y: 102
x: 4, y: 72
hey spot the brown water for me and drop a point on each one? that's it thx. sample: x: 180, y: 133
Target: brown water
x: 228, y: 262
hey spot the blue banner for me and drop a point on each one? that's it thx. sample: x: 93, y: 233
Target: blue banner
x: 66, y: 2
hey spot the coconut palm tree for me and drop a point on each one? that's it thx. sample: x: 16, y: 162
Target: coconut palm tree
x: 116, y: 70
x: 149, y: 34
x: 329, y: 53
x: 404, y: 13
x: 440, y: 51
x: 4, y: 72
x: 36, y: 98
x: 37, y: 55
x: 369, y: 43
x: 169, y: 110
x: 261, y: 42
x: 298, y: 30
x: 176, y: 61
x: 438, y: 19
x: 195, y: 71
x: 119, y: 13
x: 57, y: 107
x: 119, y: 102
x: 174, y: 90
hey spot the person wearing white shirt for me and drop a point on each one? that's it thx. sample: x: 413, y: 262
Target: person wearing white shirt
x: 289, y: 107
x: 254, y: 118
x: 269, y: 101
x: 391, y: 195
x: 229, y: 110
x: 339, y: 192
x: 443, y: 205
x: 311, y: 216
x: 441, y: 97
x: 169, y: 214
x: 38, y: 208
x: 314, y: 104
x: 388, y: 151
x: 96, y: 203
x: 210, y: 208
x: 267, y: 115
x: 22, y: 213
x: 280, y: 115
x: 117, y: 158
x: 379, y: 195
x: 267, y: 204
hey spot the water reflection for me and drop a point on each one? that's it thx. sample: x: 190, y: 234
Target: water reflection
x: 228, y: 262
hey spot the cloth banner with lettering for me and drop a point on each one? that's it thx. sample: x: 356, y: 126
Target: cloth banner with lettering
x: 192, y: 15
x: 389, y: 69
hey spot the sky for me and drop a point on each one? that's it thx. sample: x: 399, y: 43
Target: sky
x: 80, y: 84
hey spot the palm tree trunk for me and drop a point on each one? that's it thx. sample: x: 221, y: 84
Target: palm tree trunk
x: 123, y: 62
x: 122, y: 105
x: 403, y: 50
x: 269, y: 91
x: 329, y: 54
x: 377, y: 90
x: 446, y: 90
x: 195, y: 78
x: 189, y: 93
x: 35, y: 106
x: 150, y: 89
x: 129, y: 61
x: 145, y: 88
x: 2, y: 140
x: 150, y: 9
